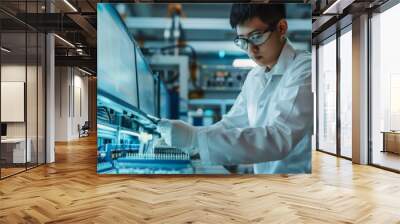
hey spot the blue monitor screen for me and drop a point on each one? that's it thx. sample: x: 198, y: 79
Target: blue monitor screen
x: 115, y: 57
x: 146, y: 85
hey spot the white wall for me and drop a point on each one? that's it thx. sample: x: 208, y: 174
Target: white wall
x: 12, y: 73
x: 61, y: 103
x: 80, y: 104
x: 71, y: 102
x: 9, y: 73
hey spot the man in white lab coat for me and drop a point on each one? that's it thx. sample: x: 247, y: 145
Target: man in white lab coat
x: 270, y: 124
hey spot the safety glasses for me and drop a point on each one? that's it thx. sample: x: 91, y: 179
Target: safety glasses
x: 256, y: 38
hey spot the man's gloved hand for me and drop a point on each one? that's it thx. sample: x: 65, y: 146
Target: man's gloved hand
x: 178, y: 134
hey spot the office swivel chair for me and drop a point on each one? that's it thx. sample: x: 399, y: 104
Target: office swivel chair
x: 84, y: 130
x: 3, y: 131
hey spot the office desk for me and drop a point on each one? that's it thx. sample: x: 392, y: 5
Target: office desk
x: 391, y: 141
x: 16, y: 147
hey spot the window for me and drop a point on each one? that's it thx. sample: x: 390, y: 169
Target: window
x: 346, y: 94
x: 385, y: 87
x: 327, y: 96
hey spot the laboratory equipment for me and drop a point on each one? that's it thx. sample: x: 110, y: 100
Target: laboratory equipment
x: 175, y: 71
x: 164, y: 101
x: 116, y: 68
x: 222, y: 78
x: 128, y: 159
x: 201, y: 117
x: 146, y: 85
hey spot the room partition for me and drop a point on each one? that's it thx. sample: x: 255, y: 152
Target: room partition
x: 22, y: 87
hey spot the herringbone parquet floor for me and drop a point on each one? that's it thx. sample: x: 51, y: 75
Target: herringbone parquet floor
x: 70, y: 191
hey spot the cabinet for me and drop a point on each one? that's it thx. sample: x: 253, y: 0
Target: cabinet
x: 391, y: 141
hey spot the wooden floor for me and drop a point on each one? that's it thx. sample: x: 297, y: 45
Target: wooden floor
x: 5, y: 172
x: 10, y: 171
x: 70, y: 191
x: 386, y: 159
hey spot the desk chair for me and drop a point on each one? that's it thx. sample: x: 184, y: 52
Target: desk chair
x: 84, y: 130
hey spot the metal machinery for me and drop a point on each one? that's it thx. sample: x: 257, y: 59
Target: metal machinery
x: 174, y: 70
x: 220, y: 85
x: 128, y: 104
x: 126, y: 144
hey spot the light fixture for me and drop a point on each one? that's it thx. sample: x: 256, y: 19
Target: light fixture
x: 84, y: 71
x: 243, y: 63
x: 5, y: 50
x: 65, y: 41
x: 70, y: 5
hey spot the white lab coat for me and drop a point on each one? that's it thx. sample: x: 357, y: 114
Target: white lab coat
x: 271, y: 122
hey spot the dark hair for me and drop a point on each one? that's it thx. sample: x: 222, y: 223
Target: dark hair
x: 268, y: 13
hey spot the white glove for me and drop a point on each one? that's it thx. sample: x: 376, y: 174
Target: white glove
x: 178, y: 134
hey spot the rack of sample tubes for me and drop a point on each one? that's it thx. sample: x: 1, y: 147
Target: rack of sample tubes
x: 160, y: 160
x: 157, y: 157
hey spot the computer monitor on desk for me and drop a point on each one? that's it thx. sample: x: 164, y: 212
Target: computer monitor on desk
x: 3, y: 131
